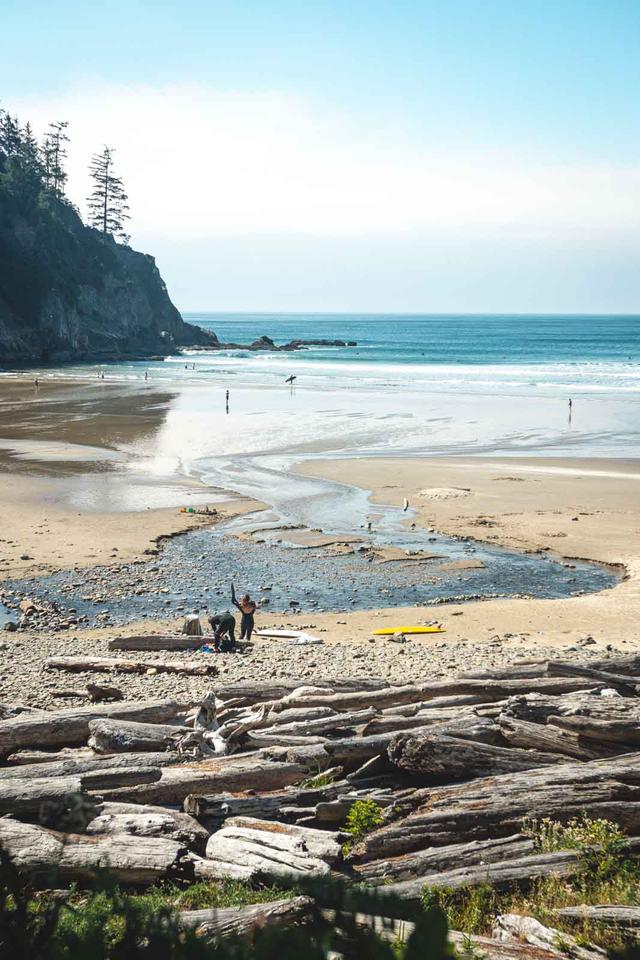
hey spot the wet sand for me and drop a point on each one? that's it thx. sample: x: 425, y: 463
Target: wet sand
x: 74, y: 492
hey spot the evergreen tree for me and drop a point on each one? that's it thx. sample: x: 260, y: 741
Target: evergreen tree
x: 54, y: 153
x: 108, y: 207
x: 9, y: 134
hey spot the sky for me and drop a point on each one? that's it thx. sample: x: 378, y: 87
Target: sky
x: 443, y: 155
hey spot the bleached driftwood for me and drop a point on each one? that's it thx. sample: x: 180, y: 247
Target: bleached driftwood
x: 243, y: 921
x: 607, y: 915
x: 496, y: 806
x: 514, y: 927
x: 51, y: 859
x: 222, y: 775
x: 92, y: 764
x: 26, y: 797
x: 71, y: 727
x: 272, y: 848
x: 440, y: 759
x: 149, y: 821
x: 121, y: 736
x: 189, y: 668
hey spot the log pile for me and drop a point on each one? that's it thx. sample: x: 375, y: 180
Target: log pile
x: 258, y: 780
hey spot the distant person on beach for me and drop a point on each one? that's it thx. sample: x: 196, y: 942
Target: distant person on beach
x: 247, y: 608
x: 291, y: 379
x: 224, y: 631
x: 36, y: 383
x: 146, y: 374
x: 570, y: 408
x: 227, y: 401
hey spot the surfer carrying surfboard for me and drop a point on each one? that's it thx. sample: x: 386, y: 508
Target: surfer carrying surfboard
x: 247, y: 608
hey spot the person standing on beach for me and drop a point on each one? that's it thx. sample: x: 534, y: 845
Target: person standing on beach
x: 247, y: 608
x: 570, y: 408
x: 227, y: 401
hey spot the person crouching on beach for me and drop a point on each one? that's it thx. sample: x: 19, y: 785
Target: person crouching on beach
x: 247, y: 608
x: 224, y: 635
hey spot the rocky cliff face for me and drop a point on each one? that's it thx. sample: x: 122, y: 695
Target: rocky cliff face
x: 68, y: 292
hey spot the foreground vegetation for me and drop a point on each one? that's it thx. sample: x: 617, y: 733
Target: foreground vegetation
x: 607, y: 876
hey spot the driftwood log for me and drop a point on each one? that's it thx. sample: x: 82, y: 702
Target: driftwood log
x: 244, y: 921
x: 223, y: 775
x: 512, y: 927
x: 92, y: 764
x: 500, y: 874
x: 149, y: 821
x: 442, y: 859
x: 26, y: 798
x: 435, y: 758
x: 496, y: 806
x: 189, y: 668
x: 272, y: 849
x: 606, y: 915
x: 54, y: 859
x: 120, y: 736
x: 71, y: 727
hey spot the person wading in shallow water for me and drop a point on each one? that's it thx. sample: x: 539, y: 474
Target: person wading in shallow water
x: 247, y: 608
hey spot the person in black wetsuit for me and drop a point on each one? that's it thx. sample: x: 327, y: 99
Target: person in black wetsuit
x: 247, y: 608
x: 224, y: 627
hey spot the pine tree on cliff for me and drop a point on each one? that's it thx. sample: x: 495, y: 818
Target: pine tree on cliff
x: 108, y: 207
x: 54, y: 153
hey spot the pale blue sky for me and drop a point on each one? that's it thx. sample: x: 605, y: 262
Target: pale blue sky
x: 390, y: 151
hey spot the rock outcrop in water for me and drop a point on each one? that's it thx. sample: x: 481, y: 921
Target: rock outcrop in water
x: 67, y: 291
x: 266, y: 343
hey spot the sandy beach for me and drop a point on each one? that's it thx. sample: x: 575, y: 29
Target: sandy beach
x: 53, y: 458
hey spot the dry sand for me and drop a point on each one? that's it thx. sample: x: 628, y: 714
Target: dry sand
x: 71, y: 442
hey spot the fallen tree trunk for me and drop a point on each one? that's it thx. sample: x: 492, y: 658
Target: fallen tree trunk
x: 223, y: 775
x: 512, y: 927
x: 421, y: 863
x: 149, y: 821
x: 120, y: 736
x: 627, y: 685
x: 500, y: 875
x: 71, y: 727
x: 93, y: 764
x: 272, y: 849
x: 190, y: 668
x: 488, y: 690
x: 264, y: 806
x: 607, y: 915
x: 537, y: 736
x: 154, y: 642
x: 26, y: 797
x: 496, y: 806
x: 224, y: 922
x: 436, y: 758
x: 614, y: 735
x: 52, y: 859
x: 626, y: 664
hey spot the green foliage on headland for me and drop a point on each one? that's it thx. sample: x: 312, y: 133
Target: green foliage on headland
x: 67, y: 290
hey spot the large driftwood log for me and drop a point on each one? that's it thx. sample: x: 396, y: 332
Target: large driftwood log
x: 626, y: 684
x: 221, y: 775
x: 625, y: 918
x: 120, y: 736
x: 613, y: 735
x: 488, y: 690
x: 265, y: 805
x: 538, y: 708
x: 52, y: 859
x: 622, y: 664
x: 25, y: 798
x: 496, y: 806
x: 502, y: 874
x: 71, y: 727
x: 149, y: 821
x: 190, y: 668
x: 72, y: 767
x: 244, y: 921
x: 272, y: 849
x: 537, y: 736
x: 420, y: 863
x: 514, y: 927
x: 440, y: 759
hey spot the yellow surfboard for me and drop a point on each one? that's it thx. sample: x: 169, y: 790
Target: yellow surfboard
x: 390, y: 631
